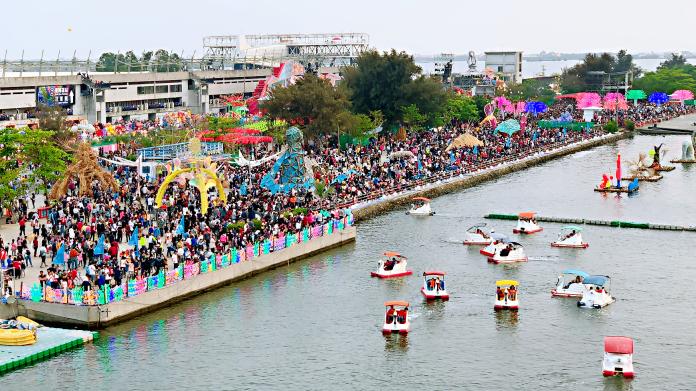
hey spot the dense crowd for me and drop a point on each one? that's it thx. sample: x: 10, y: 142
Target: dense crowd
x: 178, y: 232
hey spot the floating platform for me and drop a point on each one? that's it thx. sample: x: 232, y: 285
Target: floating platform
x: 49, y: 342
x: 651, y: 178
x: 664, y: 168
x: 615, y: 223
x: 683, y: 161
x: 614, y: 190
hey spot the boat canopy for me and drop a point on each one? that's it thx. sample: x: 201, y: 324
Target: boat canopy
x: 433, y: 273
x: 527, y: 215
x: 394, y: 254
x: 572, y: 228
x: 576, y: 272
x: 396, y: 303
x: 506, y: 283
x: 618, y: 345
x: 516, y: 244
x: 498, y: 236
x: 595, y: 280
x: 421, y: 199
x: 475, y: 227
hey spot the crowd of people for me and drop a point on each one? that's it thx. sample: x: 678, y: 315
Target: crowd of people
x: 141, y: 239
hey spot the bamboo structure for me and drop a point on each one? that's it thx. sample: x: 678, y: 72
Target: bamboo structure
x: 86, y: 169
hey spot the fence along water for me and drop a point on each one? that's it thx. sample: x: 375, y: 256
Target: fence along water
x: 135, y: 287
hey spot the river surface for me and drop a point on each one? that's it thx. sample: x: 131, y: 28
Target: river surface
x: 315, y: 324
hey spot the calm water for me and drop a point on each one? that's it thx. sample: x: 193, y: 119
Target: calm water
x: 316, y: 324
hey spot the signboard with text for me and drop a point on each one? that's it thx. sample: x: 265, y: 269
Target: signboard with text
x: 55, y: 95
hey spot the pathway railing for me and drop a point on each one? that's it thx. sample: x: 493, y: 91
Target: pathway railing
x: 134, y: 287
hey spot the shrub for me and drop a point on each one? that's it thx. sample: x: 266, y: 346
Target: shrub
x: 611, y: 126
x: 629, y: 125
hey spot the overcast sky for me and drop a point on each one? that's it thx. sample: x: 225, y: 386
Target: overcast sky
x: 419, y: 27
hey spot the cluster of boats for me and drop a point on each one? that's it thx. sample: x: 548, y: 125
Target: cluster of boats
x: 592, y: 291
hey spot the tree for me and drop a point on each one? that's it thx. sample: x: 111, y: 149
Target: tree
x: 668, y: 80
x: 388, y: 82
x: 587, y: 75
x: 676, y: 61
x: 311, y: 103
x: 412, y: 117
x: 530, y: 89
x: 460, y: 108
x: 29, y: 159
x: 106, y: 62
x: 52, y: 118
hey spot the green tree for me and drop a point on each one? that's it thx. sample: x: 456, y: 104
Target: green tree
x: 461, y: 108
x: 412, y: 117
x: 668, y: 80
x: 29, y: 159
x: 676, y: 61
x: 389, y: 81
x: 530, y: 89
x: 311, y: 103
x: 52, y: 118
x: 106, y: 62
x: 583, y: 76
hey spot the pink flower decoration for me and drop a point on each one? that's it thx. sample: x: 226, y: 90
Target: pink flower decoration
x: 682, y: 95
x: 587, y: 99
x: 614, y: 101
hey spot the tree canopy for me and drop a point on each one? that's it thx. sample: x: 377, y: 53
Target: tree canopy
x: 391, y: 82
x: 159, y: 61
x: 311, y: 103
x: 668, y: 79
x: 676, y: 61
x: 580, y: 77
x: 530, y: 89
x: 29, y: 160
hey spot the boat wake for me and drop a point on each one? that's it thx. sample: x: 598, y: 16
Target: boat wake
x: 582, y: 154
x: 550, y: 258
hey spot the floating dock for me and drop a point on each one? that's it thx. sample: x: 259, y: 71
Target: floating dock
x: 49, y: 342
x: 614, y: 223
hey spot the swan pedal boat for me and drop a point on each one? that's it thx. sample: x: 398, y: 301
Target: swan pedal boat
x: 570, y: 237
x: 506, y: 295
x: 499, y: 242
x: 394, y: 265
x: 512, y: 252
x: 595, y: 294
x: 526, y: 224
x: 420, y: 207
x: 434, y: 285
x: 570, y: 284
x: 618, y: 357
x: 476, y: 236
x: 396, y: 318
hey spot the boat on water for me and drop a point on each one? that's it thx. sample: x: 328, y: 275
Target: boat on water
x: 420, y: 206
x: 618, y: 357
x: 631, y: 188
x: 512, y: 252
x: 595, y: 293
x: 476, y: 235
x: 18, y: 332
x: 569, y: 284
x: 392, y: 266
x: 396, y: 318
x: 434, y: 285
x: 499, y: 242
x: 570, y: 237
x: 527, y: 224
x: 506, y: 295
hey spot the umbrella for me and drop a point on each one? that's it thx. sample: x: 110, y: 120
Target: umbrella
x: 635, y: 95
x: 536, y: 107
x: 658, y: 98
x: 465, y: 140
x: 682, y: 95
x: 508, y: 127
x: 587, y: 99
x: 398, y: 154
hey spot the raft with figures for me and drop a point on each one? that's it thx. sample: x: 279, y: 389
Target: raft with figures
x: 643, y: 178
x: 683, y: 161
x: 664, y: 168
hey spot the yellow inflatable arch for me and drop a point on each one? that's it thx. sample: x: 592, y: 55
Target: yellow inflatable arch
x: 202, y: 185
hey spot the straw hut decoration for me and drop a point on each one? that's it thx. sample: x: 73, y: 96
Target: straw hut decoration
x: 465, y: 140
x: 86, y: 169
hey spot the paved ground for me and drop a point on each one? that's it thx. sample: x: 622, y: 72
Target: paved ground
x: 685, y: 122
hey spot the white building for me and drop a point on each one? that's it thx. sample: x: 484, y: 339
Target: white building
x: 507, y: 65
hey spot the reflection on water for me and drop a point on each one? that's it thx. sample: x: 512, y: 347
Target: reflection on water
x: 315, y: 321
x: 506, y: 319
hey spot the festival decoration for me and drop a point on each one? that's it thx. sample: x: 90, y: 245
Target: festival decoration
x: 290, y: 166
x: 203, y: 177
x: 658, y: 98
x: 535, y: 108
x: 489, y: 111
x: 615, y: 101
x: 502, y: 103
x: 86, y: 169
x: 465, y: 140
x: 635, y: 95
x: 520, y: 108
x: 508, y: 127
x: 682, y: 95
x: 618, y: 170
x: 587, y: 99
x: 523, y: 122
